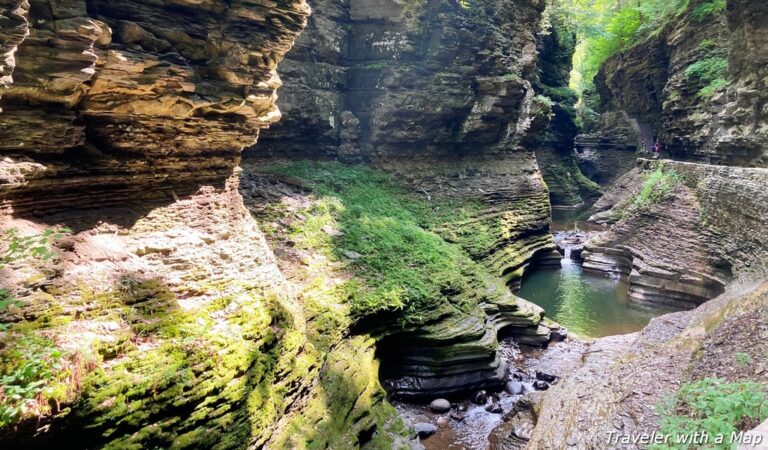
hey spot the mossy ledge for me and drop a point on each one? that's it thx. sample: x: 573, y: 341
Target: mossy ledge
x: 425, y: 275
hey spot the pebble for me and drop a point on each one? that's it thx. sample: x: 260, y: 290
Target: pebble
x: 480, y: 398
x: 440, y: 405
x: 543, y: 376
x: 494, y: 408
x: 424, y: 429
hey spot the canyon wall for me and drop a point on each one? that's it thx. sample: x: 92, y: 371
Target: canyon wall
x: 442, y: 94
x: 110, y: 103
x: 681, y: 231
x: 125, y: 122
x: 700, y: 82
x: 162, y: 310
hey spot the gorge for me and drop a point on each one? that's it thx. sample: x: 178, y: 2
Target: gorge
x: 322, y: 224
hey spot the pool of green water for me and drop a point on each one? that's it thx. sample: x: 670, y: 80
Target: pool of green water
x: 589, y: 305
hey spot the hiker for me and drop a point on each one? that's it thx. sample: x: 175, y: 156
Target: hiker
x: 656, y: 150
x: 645, y: 147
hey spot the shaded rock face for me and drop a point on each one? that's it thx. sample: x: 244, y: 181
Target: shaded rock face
x: 554, y: 144
x: 681, y: 249
x: 611, y: 149
x: 650, y: 83
x: 111, y: 103
x: 377, y: 80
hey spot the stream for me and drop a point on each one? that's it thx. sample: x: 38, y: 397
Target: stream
x: 589, y: 305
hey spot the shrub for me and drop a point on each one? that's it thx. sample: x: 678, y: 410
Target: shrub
x: 656, y: 188
x: 712, y: 406
x: 711, y: 72
x: 708, y: 10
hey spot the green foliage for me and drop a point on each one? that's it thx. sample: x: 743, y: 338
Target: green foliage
x: 403, y: 265
x: 714, y: 406
x: 743, y: 359
x: 708, y: 9
x: 32, y: 370
x: 655, y: 189
x: 32, y: 375
x: 19, y: 247
x: 711, y: 72
x: 605, y: 27
x: 561, y: 94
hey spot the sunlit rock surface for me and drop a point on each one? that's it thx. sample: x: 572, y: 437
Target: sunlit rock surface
x: 684, y: 249
x: 121, y: 101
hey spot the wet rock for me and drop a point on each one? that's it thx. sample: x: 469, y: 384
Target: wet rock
x: 480, y: 398
x: 440, y: 405
x: 458, y: 416
x: 424, y: 429
x: 514, y: 387
x: 543, y: 376
x: 558, y: 334
x: 442, y: 422
x: 494, y: 407
x: 540, y: 385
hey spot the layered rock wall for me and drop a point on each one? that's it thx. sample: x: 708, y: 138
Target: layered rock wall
x: 718, y: 117
x: 682, y: 230
x: 164, y: 310
x: 110, y: 103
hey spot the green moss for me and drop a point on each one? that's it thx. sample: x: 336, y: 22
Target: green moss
x: 404, y: 265
x: 229, y: 370
x: 711, y: 72
x: 346, y: 406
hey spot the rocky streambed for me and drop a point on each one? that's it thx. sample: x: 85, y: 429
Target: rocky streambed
x: 494, y: 419
x: 589, y: 305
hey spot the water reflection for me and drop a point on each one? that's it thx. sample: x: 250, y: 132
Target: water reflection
x: 588, y: 305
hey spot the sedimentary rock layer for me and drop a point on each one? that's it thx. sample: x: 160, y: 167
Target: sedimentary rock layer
x: 681, y: 247
x: 377, y: 81
x: 654, y: 82
x: 107, y: 103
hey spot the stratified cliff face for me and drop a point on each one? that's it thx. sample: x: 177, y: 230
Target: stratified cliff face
x: 107, y: 103
x: 164, y: 312
x: 682, y: 231
x: 700, y: 82
x: 406, y: 80
x: 440, y: 93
